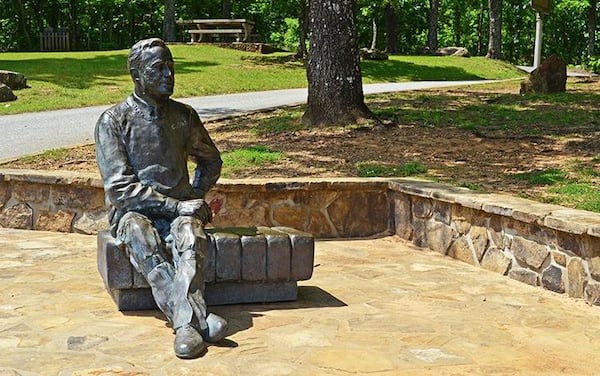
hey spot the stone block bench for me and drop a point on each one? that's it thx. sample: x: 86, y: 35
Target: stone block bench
x: 243, y: 265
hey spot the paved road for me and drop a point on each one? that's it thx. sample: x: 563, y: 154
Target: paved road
x: 32, y: 133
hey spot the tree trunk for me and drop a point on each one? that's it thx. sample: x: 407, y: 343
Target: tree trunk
x: 495, y: 42
x: 374, y: 39
x: 169, y: 21
x: 456, y: 24
x: 226, y: 8
x: 73, y: 24
x: 24, y: 25
x: 592, y: 28
x: 432, y: 34
x: 303, y: 29
x: 480, y: 27
x: 335, y: 94
x: 391, y: 25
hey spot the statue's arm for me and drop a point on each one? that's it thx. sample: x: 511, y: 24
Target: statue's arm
x: 206, y: 156
x: 121, y: 185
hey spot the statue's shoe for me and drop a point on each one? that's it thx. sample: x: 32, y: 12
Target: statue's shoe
x: 188, y: 343
x: 217, y: 328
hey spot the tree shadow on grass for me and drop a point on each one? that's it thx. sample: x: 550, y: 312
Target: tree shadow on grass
x: 75, y: 73
x: 394, y: 70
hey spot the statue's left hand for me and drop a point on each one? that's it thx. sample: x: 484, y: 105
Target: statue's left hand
x: 196, y: 208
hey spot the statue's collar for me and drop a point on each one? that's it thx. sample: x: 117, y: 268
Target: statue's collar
x: 147, y: 110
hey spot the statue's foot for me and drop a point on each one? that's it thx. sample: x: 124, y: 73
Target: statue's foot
x: 188, y: 343
x: 217, y: 328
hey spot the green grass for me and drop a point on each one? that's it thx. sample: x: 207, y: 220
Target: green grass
x: 543, y: 177
x: 497, y: 114
x: 75, y: 79
x: 51, y: 156
x: 575, y: 186
x: 585, y: 196
x: 237, y: 160
x: 371, y: 169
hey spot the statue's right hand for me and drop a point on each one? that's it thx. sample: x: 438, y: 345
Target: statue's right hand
x: 196, y: 208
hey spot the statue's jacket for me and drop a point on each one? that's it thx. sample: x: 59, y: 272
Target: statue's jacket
x: 142, y: 153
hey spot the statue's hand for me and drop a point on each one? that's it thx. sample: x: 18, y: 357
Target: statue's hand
x: 196, y: 208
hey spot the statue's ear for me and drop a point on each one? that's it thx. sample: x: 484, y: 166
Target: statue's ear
x: 134, y: 74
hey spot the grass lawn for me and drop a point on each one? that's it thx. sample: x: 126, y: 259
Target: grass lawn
x: 75, y: 79
x: 484, y: 137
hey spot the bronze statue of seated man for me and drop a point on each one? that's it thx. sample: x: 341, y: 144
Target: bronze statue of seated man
x: 142, y: 148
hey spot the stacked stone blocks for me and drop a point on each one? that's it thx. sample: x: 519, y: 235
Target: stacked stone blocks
x: 539, y: 247
x: 542, y: 245
x: 243, y: 265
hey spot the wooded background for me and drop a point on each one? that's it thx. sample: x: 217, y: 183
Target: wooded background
x: 401, y: 26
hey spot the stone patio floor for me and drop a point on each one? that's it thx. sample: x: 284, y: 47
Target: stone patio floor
x: 373, y: 306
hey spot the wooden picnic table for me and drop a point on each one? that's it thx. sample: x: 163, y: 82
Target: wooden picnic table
x: 241, y: 28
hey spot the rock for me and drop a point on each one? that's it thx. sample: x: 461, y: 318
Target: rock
x: 60, y: 221
x: 528, y: 252
x: 13, y: 80
x: 462, y: 249
x: 549, y: 77
x: 453, y: 51
x: 496, y: 261
x: 6, y: 94
x: 552, y: 279
x: 576, y: 277
x: 375, y: 54
x: 92, y: 222
x: 19, y: 216
x: 592, y: 293
x: 439, y: 236
x: 524, y: 275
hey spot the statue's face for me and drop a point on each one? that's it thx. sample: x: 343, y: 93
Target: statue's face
x: 157, y: 74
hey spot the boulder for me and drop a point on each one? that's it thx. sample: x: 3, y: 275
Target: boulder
x: 13, y: 80
x: 549, y: 77
x: 453, y: 51
x: 369, y: 54
x: 6, y: 94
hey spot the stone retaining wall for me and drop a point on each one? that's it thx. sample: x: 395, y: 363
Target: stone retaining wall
x: 539, y: 244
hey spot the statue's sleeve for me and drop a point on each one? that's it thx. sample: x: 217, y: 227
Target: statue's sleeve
x: 206, y: 156
x: 121, y: 185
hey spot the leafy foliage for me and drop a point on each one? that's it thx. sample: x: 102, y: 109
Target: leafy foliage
x: 117, y: 24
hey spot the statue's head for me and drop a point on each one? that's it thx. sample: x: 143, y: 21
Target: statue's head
x: 150, y: 64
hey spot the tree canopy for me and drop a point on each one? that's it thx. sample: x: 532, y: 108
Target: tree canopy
x: 402, y: 26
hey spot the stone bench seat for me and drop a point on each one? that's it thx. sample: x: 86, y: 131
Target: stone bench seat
x: 243, y: 265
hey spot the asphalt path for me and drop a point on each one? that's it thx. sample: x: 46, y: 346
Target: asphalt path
x: 33, y: 133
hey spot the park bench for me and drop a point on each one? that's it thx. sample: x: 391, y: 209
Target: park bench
x: 240, y: 28
x: 243, y: 265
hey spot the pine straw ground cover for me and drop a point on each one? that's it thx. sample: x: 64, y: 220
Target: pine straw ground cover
x: 484, y: 137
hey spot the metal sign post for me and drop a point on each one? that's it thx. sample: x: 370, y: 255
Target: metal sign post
x: 542, y: 7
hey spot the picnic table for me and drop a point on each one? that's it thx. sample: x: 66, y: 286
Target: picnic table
x: 240, y: 27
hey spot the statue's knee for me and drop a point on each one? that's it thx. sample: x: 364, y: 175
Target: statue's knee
x: 188, y: 234
x: 133, y: 222
x: 140, y: 236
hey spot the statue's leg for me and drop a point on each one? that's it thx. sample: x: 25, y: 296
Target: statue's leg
x: 189, y: 255
x: 147, y: 256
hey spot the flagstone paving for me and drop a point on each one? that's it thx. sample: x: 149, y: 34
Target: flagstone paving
x: 373, y: 306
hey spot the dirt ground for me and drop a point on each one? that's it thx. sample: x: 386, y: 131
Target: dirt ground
x: 451, y: 154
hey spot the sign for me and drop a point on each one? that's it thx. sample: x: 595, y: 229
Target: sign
x: 541, y: 6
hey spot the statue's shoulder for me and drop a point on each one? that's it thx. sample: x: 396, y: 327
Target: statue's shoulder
x: 181, y: 107
x: 117, y: 112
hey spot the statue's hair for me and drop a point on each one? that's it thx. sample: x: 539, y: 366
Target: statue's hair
x: 135, y: 54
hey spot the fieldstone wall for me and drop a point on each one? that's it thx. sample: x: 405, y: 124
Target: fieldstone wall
x: 538, y: 244
x: 74, y: 202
